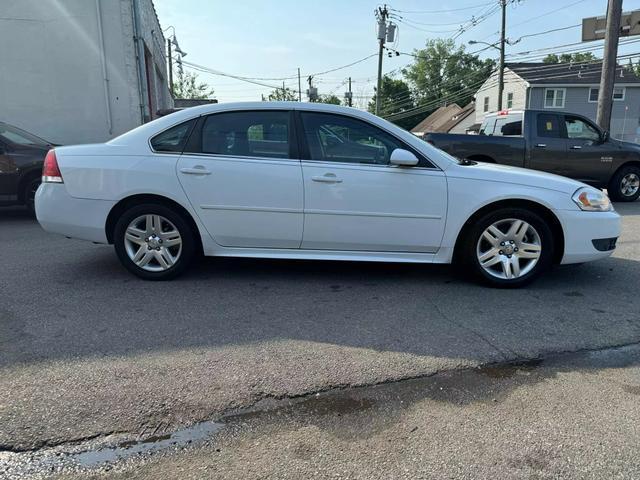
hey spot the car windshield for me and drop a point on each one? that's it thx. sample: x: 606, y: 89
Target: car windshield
x: 20, y: 137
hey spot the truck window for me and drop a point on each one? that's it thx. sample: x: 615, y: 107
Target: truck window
x: 508, y: 126
x: 487, y: 126
x: 548, y: 125
x: 580, y: 129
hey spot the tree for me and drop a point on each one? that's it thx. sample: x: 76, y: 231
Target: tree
x: 283, y: 95
x: 331, y: 99
x: 442, y: 72
x: 569, y: 57
x: 395, y: 96
x: 186, y: 85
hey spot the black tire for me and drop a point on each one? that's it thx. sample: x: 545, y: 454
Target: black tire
x: 188, y: 247
x: 29, y: 193
x: 615, y: 188
x: 468, y: 253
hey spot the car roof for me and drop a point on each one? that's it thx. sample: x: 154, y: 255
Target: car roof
x: 168, y: 121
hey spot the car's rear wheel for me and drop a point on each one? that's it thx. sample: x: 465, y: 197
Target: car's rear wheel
x: 508, y: 248
x: 154, y: 242
x: 625, y: 184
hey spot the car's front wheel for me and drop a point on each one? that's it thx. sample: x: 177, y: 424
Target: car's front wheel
x: 154, y: 242
x: 508, y: 248
x: 625, y: 184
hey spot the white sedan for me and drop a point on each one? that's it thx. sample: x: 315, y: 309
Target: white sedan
x: 314, y: 181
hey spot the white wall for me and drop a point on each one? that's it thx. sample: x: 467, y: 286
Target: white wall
x: 512, y: 83
x: 51, y: 80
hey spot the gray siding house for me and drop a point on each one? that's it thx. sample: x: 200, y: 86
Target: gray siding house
x: 564, y: 87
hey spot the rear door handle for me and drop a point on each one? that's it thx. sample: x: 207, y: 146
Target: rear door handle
x: 197, y: 170
x: 576, y: 147
x: 541, y: 145
x: 327, y: 178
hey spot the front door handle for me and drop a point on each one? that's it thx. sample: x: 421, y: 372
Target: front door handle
x: 326, y: 178
x: 576, y: 147
x: 197, y: 170
x: 541, y: 145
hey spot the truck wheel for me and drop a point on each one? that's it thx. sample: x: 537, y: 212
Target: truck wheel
x: 154, y: 242
x: 625, y: 184
x: 508, y: 248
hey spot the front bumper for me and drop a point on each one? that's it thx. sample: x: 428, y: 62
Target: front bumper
x: 584, y: 230
x: 59, y: 212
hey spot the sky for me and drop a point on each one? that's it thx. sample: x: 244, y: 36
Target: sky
x: 272, y: 39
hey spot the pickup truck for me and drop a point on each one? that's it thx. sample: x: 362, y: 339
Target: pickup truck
x: 557, y: 142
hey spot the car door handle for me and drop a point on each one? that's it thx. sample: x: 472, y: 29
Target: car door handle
x: 326, y: 178
x: 576, y: 147
x: 197, y: 170
x: 541, y: 145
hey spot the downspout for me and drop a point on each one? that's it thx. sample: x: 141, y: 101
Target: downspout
x: 103, y: 60
x: 139, y: 59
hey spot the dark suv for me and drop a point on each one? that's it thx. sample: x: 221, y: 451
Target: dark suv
x: 21, y: 158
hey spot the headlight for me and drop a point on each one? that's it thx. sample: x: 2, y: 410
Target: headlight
x: 592, y: 200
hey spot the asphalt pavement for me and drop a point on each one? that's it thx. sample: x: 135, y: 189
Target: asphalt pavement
x: 88, y: 352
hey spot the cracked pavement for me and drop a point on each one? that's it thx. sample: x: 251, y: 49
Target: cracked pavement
x: 87, y: 350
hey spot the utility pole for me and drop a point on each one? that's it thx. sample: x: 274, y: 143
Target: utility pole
x: 312, y: 92
x: 170, y: 66
x: 503, y: 5
x: 609, y: 63
x: 299, y: 87
x: 382, y: 14
x: 350, y: 94
x: 284, y: 91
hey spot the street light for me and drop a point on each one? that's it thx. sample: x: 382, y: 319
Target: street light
x: 493, y: 45
x: 178, y: 49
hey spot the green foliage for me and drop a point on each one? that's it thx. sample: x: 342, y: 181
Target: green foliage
x: 283, y: 95
x: 395, y: 96
x: 331, y: 99
x: 186, y: 85
x: 444, y: 71
x: 569, y: 57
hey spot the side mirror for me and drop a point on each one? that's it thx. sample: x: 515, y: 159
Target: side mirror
x: 403, y: 158
x: 605, y: 136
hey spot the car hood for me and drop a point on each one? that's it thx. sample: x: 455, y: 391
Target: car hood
x: 626, y: 145
x: 521, y: 176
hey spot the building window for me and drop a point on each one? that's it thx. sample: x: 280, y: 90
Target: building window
x: 618, y: 94
x: 486, y: 104
x: 554, y: 97
x: 510, y: 100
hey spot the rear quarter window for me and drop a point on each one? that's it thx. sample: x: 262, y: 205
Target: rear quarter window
x: 174, y: 139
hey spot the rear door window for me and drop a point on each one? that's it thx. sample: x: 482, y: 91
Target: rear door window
x: 548, y: 126
x: 247, y: 134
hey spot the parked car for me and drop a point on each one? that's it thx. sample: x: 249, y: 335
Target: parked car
x: 21, y: 158
x: 556, y: 142
x: 314, y: 181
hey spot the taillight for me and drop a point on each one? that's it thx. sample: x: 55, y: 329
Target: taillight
x: 50, y: 170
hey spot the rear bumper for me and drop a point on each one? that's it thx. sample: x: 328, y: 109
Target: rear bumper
x: 588, y: 235
x: 59, y: 212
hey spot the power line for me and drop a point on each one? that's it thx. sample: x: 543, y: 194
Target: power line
x: 465, y: 92
x: 442, y: 11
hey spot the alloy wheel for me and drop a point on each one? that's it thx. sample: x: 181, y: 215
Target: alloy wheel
x: 153, y: 243
x: 509, y: 249
x: 630, y: 184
